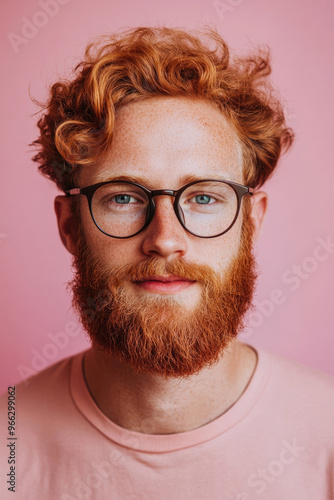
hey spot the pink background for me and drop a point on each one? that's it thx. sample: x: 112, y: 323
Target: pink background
x: 35, y: 265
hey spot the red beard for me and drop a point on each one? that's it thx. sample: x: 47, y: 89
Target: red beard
x: 155, y: 334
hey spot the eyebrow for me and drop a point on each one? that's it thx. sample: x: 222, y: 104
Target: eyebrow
x: 143, y: 180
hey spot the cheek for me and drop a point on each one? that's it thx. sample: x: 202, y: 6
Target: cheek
x: 111, y: 252
x: 102, y: 246
x: 93, y: 235
x: 220, y: 252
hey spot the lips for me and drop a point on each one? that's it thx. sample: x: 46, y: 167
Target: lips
x: 164, y: 279
x: 165, y: 285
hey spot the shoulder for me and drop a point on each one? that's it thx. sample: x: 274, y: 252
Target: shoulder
x: 298, y: 392
x: 300, y: 375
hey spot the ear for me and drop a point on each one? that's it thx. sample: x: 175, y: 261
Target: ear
x: 62, y: 206
x: 259, y: 202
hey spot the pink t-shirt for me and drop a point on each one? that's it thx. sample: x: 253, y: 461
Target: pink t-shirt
x: 275, y: 443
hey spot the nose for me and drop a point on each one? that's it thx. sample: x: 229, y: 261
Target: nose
x: 164, y: 236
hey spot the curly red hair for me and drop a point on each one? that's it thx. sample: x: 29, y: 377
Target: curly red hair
x: 77, y: 125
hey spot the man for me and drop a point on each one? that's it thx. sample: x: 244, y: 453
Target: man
x: 160, y: 146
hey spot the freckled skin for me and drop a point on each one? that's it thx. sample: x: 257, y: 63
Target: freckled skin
x: 162, y: 140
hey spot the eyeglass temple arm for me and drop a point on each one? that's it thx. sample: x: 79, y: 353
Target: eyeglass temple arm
x: 70, y: 192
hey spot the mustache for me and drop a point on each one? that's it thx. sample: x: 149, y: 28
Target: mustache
x: 155, y: 266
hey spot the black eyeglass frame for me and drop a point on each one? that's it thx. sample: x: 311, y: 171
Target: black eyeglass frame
x: 89, y: 191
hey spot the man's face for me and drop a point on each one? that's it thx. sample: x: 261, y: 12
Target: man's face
x: 165, y: 328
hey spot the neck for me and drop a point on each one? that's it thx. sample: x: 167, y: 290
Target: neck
x: 153, y: 405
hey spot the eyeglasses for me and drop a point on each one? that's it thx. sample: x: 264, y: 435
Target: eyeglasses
x: 121, y: 209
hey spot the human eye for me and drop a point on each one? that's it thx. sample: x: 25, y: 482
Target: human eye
x: 202, y: 199
x: 122, y: 199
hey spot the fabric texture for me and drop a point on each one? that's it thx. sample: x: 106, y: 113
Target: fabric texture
x: 276, y: 442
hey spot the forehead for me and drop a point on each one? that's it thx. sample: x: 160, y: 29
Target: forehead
x: 165, y: 139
